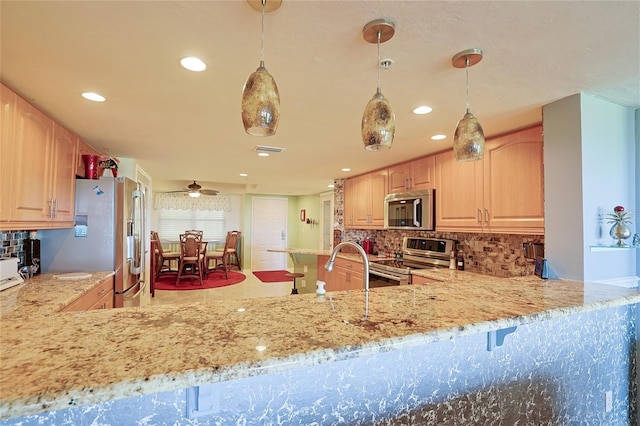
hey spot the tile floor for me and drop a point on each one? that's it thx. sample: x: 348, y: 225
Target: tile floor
x: 249, y: 288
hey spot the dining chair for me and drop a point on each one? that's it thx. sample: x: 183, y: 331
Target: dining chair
x: 233, y: 253
x: 164, y: 258
x: 191, y: 257
x: 231, y: 243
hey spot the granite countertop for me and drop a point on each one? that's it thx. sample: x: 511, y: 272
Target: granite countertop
x: 45, y: 294
x: 58, y: 360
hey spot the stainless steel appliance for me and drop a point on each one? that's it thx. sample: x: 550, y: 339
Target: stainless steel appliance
x: 410, y: 210
x: 109, y: 235
x: 417, y: 253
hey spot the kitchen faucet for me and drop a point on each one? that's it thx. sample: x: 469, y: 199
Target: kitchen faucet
x: 365, y: 260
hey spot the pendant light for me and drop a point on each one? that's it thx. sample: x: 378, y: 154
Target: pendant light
x: 260, y: 97
x: 378, y: 119
x: 468, y: 141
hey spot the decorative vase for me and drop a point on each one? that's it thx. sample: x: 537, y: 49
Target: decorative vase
x: 620, y: 232
x: 114, y: 172
x: 90, y: 166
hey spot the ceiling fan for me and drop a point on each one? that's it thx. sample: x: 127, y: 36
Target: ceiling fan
x: 195, y: 190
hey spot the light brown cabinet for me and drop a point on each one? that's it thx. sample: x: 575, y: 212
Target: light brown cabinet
x: 413, y: 175
x: 417, y: 279
x: 364, y: 200
x: 346, y: 275
x: 502, y: 193
x: 38, y: 168
x: 99, y: 297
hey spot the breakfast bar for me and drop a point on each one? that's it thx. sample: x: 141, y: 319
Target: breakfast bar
x: 424, y: 352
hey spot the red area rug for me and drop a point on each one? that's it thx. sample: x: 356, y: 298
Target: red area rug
x: 272, y: 276
x: 214, y: 280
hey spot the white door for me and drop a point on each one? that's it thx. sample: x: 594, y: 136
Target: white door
x: 268, y: 231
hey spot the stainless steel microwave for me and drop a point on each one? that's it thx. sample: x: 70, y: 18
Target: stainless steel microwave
x: 410, y: 210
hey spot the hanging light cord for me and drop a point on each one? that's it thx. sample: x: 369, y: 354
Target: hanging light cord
x: 379, y: 91
x: 466, y: 69
x: 264, y: 2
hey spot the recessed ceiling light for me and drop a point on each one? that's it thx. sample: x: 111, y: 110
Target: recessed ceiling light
x: 244, y: 174
x: 95, y: 97
x: 346, y: 169
x: 331, y: 185
x: 263, y: 154
x: 422, y: 110
x: 438, y: 137
x: 193, y: 64
x: 261, y: 348
x: 241, y: 309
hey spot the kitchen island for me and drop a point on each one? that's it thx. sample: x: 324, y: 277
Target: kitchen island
x: 468, y: 347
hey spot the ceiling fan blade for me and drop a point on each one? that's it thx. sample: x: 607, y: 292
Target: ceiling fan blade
x: 209, y: 192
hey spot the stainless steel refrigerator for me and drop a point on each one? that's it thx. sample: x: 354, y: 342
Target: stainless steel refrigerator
x: 109, y: 233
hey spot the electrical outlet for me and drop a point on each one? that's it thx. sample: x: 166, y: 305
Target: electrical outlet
x: 608, y: 401
x: 306, y: 268
x: 303, y: 283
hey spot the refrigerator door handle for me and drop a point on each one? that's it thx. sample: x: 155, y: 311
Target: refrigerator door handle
x: 134, y: 255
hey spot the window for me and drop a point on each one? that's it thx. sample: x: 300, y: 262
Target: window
x: 172, y: 223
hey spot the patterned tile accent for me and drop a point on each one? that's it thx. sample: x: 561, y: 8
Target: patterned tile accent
x: 12, y: 244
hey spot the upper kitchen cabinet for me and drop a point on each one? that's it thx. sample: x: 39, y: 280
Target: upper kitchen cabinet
x: 7, y: 111
x: 364, y: 200
x: 502, y: 193
x: 41, y: 167
x: 413, y: 175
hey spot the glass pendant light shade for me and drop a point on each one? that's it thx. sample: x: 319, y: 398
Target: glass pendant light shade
x: 260, y: 98
x: 260, y: 103
x: 378, y: 120
x: 378, y: 124
x: 468, y: 140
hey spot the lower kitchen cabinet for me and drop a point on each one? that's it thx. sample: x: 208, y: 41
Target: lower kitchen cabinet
x: 502, y: 193
x: 346, y: 275
x: 99, y: 297
x: 417, y: 279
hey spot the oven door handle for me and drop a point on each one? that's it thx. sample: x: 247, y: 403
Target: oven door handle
x: 401, y: 278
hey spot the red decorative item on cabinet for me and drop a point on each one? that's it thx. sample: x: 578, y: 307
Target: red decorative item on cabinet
x: 91, y: 166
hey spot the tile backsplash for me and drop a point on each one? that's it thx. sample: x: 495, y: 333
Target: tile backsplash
x: 13, y: 244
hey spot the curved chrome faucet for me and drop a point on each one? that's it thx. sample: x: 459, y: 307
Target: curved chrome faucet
x: 365, y: 260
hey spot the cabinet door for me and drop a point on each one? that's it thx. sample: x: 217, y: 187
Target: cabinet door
x: 399, y: 178
x: 458, y: 194
x: 513, y: 182
x: 33, y: 140
x: 7, y: 105
x: 350, y: 198
x: 414, y: 175
x: 64, y: 173
x: 423, y: 173
x: 362, y: 201
x: 378, y: 189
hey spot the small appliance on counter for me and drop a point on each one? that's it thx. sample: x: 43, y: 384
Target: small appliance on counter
x: 9, y: 275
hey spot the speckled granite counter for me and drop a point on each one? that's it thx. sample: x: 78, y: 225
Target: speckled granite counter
x: 45, y: 295
x: 56, y: 361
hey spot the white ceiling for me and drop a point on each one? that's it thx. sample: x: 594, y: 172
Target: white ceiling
x: 184, y: 126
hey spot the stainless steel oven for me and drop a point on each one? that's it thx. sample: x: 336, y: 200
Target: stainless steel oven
x: 417, y: 253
